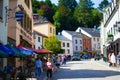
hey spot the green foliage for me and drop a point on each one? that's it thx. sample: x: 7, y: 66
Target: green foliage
x: 103, y: 4
x: 68, y: 15
x: 110, y: 35
x: 53, y: 44
x: 83, y: 13
x: 35, y: 5
x: 96, y: 17
x: 71, y: 4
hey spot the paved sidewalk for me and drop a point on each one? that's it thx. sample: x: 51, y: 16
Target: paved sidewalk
x: 106, y: 64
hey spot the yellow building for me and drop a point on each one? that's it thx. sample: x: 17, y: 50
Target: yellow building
x: 45, y: 28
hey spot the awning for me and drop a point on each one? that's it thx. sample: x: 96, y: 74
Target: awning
x: 25, y: 50
x: 43, y: 51
x: 3, y: 54
x: 7, y: 50
x: 17, y: 52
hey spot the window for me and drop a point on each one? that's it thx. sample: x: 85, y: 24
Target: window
x: 68, y: 45
x: 38, y: 39
x: 63, y: 44
x: 1, y: 9
x: 68, y: 51
x: 80, y: 47
x: 53, y: 31
x: 38, y: 47
x: 80, y: 41
x: 76, y: 48
x: 94, y: 39
x: 50, y: 30
x: 76, y: 41
x: 97, y: 39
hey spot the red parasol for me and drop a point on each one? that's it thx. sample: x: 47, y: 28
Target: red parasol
x: 43, y: 51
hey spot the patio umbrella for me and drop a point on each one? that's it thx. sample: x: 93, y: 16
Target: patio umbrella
x: 43, y: 51
x: 7, y: 50
x: 3, y: 54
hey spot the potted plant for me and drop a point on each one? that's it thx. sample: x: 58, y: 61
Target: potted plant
x: 110, y: 35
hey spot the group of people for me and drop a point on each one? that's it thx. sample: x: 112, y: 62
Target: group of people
x: 39, y: 68
x: 60, y: 60
x: 113, y: 60
x: 48, y: 65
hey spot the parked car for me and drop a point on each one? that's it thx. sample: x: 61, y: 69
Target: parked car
x: 75, y: 57
x: 97, y: 56
x: 85, y: 56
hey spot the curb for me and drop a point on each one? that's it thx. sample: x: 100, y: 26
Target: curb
x: 105, y: 64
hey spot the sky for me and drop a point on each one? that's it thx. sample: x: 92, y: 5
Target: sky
x: 96, y: 2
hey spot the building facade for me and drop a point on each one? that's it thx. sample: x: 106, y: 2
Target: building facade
x: 66, y: 44
x: 76, y: 40
x: 39, y: 39
x: 3, y: 26
x: 111, y: 28
x: 45, y: 28
x: 20, y: 31
x: 3, y: 20
x: 20, y: 27
x: 91, y: 39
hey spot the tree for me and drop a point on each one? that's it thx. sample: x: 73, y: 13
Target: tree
x: 53, y: 44
x: 96, y: 17
x: 103, y: 4
x: 46, y: 11
x: 35, y: 5
x: 61, y: 18
x: 48, y: 2
x: 68, y: 4
x: 83, y: 13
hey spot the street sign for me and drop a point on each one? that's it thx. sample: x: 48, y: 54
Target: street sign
x: 19, y: 19
x: 19, y: 14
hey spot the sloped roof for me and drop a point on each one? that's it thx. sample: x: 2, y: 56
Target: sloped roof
x: 40, y: 33
x: 73, y: 33
x: 61, y: 37
x: 91, y: 31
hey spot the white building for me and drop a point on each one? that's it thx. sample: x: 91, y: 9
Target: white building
x: 39, y: 39
x: 93, y: 40
x: 76, y: 40
x: 3, y: 20
x: 111, y: 26
x: 66, y: 44
x: 3, y: 25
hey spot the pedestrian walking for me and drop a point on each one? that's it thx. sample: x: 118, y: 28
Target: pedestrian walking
x: 49, y: 65
x: 38, y: 67
x: 113, y: 60
x: 109, y: 60
x: 118, y: 59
